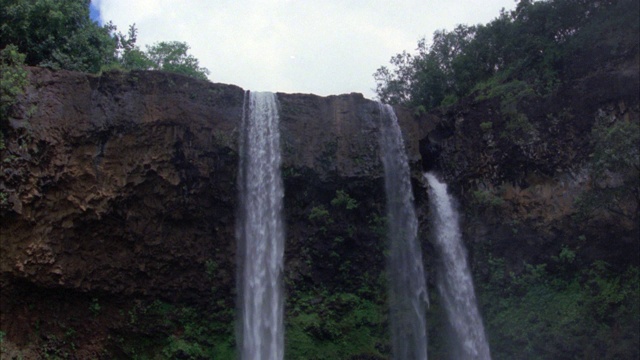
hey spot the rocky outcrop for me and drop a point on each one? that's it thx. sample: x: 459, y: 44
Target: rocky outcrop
x: 114, y: 180
x: 122, y: 186
x: 108, y: 176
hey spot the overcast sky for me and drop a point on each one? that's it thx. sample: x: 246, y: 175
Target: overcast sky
x: 323, y: 47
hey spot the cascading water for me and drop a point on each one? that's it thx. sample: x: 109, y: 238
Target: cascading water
x: 260, y: 231
x: 407, y: 285
x: 455, y: 284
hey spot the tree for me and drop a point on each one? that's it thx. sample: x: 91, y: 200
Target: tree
x: 529, y: 44
x: 56, y: 33
x: 60, y: 34
x: 130, y: 57
x: 395, y: 87
x: 172, y: 57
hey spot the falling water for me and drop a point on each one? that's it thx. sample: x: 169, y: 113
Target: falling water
x: 454, y: 278
x: 407, y: 287
x: 260, y: 231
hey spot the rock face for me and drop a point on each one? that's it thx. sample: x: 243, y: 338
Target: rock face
x: 120, y: 189
x: 122, y: 186
x: 107, y: 171
x: 116, y: 180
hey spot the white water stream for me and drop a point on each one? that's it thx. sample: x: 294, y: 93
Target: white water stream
x: 260, y: 231
x: 455, y: 284
x: 407, y: 284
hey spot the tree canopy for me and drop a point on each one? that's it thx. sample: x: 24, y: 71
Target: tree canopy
x: 172, y: 56
x: 60, y: 34
x: 528, y: 44
x: 56, y: 33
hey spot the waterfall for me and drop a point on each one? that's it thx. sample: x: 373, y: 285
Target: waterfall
x: 260, y: 231
x: 407, y: 285
x: 455, y: 284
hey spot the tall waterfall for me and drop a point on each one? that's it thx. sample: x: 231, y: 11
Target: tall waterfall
x: 454, y: 278
x: 260, y: 231
x: 407, y: 285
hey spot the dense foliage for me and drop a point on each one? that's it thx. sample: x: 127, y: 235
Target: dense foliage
x: 529, y: 45
x: 13, y: 79
x: 571, y: 295
x: 61, y: 35
x: 565, y: 308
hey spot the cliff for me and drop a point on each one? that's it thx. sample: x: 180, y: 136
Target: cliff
x: 119, y: 201
x: 122, y: 186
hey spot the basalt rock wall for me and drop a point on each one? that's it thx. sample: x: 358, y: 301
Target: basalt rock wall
x: 120, y: 189
x: 126, y: 182
x: 122, y: 186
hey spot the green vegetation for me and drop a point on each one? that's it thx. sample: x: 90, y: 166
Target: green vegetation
x: 562, y: 309
x: 172, y: 57
x: 58, y: 34
x: 486, y: 126
x: 319, y: 324
x: 616, y: 148
x: 177, y: 333
x: 486, y: 199
x: 526, y: 48
x: 324, y: 325
x: 615, y: 163
x: 342, y: 314
x: 573, y: 300
x: 13, y: 80
x: 319, y: 213
x: 161, y: 330
x: 94, y: 307
x: 343, y: 199
x: 61, y: 35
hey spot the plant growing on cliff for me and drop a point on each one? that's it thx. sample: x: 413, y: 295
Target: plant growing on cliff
x: 518, y: 129
x: 616, y: 148
x: 13, y: 79
x: 486, y: 198
x: 95, y: 307
x: 339, y: 325
x: 563, y: 308
x: 343, y: 199
x: 615, y: 165
x: 319, y: 213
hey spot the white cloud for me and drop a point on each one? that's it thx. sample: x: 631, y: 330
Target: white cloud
x: 321, y: 46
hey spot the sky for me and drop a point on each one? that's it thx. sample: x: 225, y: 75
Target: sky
x: 324, y: 47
